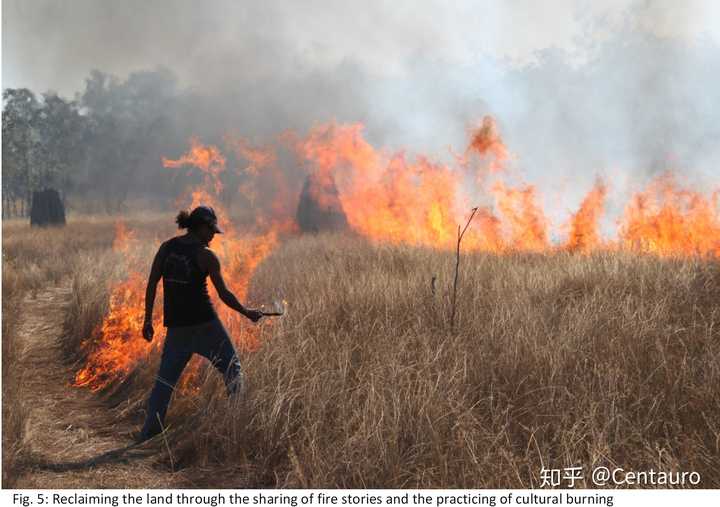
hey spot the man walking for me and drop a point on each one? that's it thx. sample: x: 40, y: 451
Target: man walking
x: 184, y: 263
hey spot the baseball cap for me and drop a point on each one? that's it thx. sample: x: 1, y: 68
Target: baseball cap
x: 205, y: 215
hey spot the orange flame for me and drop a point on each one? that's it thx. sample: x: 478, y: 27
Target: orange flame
x: 268, y: 188
x: 116, y: 346
x: 388, y: 197
x: 384, y: 197
x: 671, y: 221
x: 486, y: 141
x: 206, y: 158
x: 584, y: 234
x: 527, y: 223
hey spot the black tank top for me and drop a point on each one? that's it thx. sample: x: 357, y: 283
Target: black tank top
x: 186, y: 300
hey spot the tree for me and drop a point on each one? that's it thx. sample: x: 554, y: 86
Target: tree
x: 43, y: 145
x: 20, y: 107
x: 127, y: 122
x: 106, y: 143
x: 61, y: 132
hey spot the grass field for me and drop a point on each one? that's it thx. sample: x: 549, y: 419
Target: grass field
x: 556, y: 360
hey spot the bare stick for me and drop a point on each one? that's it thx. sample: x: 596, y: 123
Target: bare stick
x: 167, y: 446
x: 457, y: 268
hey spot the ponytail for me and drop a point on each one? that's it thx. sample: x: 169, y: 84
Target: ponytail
x: 183, y: 220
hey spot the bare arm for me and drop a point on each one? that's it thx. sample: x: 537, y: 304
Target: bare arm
x: 210, y: 261
x: 151, y: 289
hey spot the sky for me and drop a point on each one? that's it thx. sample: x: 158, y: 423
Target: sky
x: 621, y: 89
x: 53, y: 44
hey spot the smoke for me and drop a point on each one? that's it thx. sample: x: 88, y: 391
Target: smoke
x: 622, y: 90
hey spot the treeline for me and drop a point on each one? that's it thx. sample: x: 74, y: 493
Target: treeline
x: 97, y: 148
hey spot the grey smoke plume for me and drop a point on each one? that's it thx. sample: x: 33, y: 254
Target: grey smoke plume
x: 623, y: 89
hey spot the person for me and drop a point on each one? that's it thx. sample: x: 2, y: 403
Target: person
x: 184, y: 263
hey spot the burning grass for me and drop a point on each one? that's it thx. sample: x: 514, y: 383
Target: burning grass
x: 585, y: 350
x: 557, y: 360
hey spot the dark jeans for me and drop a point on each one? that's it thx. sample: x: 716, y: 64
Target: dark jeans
x: 210, y: 340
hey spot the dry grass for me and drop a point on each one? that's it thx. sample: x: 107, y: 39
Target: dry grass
x: 13, y: 416
x: 33, y: 259
x: 557, y: 360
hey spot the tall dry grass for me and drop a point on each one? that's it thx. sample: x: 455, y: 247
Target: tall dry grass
x: 557, y: 360
x: 34, y: 259
x: 13, y: 414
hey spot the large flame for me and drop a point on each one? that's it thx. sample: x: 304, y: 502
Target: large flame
x: 389, y: 197
x: 384, y: 196
x: 116, y: 346
x: 527, y: 223
x: 667, y: 219
x: 584, y: 225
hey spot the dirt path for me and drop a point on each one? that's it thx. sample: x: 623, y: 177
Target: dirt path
x: 63, y: 439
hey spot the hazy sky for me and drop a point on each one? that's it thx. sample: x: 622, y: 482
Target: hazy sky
x: 53, y: 44
x: 617, y: 88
